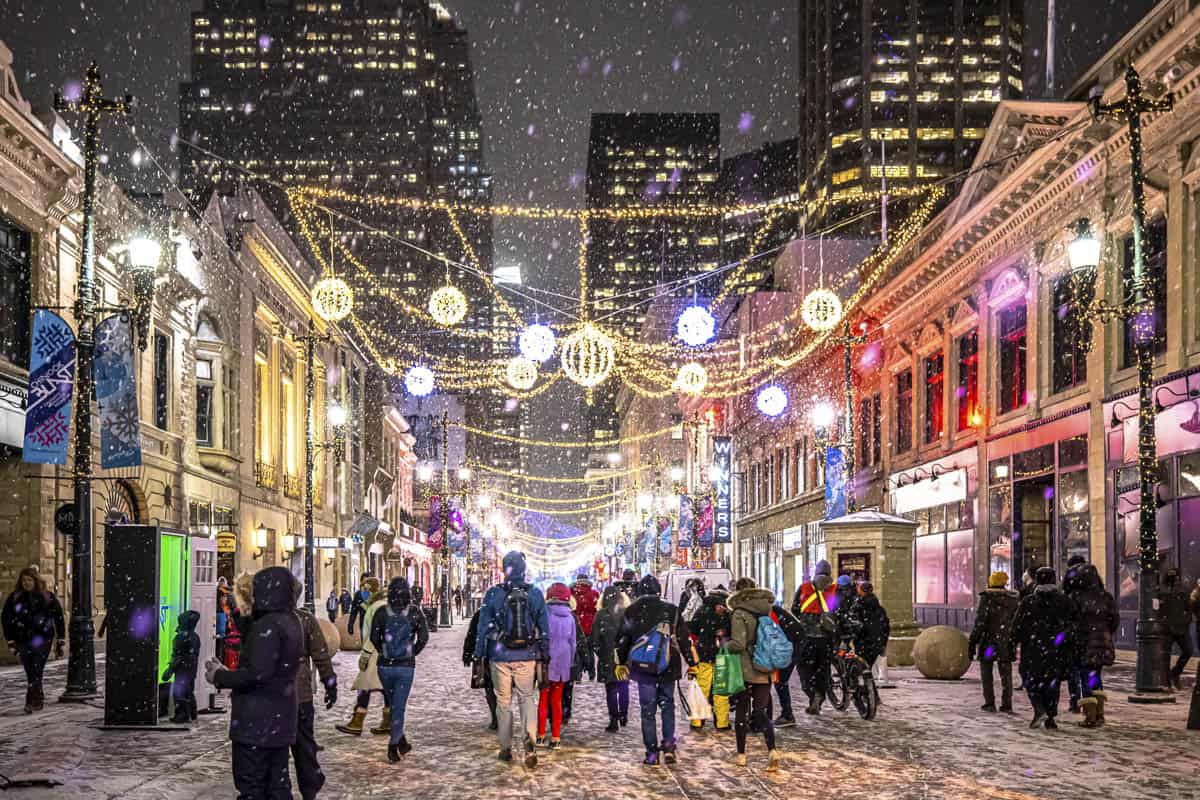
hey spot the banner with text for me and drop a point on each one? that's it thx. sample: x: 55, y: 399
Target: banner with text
x: 723, y: 489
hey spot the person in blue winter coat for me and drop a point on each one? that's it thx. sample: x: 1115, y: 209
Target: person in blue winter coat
x: 513, y: 636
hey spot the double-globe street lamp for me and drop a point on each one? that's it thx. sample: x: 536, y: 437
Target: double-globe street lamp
x: 1136, y: 307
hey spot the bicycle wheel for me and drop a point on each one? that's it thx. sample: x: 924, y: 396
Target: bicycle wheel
x: 866, y: 699
x: 839, y: 683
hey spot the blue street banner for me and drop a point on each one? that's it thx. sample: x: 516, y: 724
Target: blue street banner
x: 704, y: 525
x: 51, y: 390
x: 835, y: 483
x: 664, y: 536
x: 116, y: 394
x: 686, y: 521
x: 723, y: 489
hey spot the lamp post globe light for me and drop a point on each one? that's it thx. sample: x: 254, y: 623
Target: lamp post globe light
x: 822, y: 415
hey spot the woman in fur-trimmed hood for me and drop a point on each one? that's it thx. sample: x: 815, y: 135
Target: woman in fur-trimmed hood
x: 367, y: 680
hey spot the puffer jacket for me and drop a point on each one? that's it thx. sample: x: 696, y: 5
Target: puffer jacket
x: 605, y: 631
x: 185, y: 648
x: 562, y: 640
x: 1098, y: 620
x: 265, y: 702
x: 33, y: 619
x: 871, y: 628
x: 746, y: 607
x: 399, y: 601
x: 1044, y: 630
x: 710, y: 627
x: 991, y: 638
x: 645, y: 614
x: 586, y: 600
x: 488, y: 640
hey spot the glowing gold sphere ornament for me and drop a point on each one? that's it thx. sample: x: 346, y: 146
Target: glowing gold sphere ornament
x: 332, y: 299
x: 521, y: 373
x: 447, y: 306
x: 588, y: 355
x: 692, y: 378
x: 822, y: 310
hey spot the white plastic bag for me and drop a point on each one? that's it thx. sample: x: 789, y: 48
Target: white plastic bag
x: 698, y: 707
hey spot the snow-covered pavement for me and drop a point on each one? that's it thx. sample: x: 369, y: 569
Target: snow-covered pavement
x: 929, y: 741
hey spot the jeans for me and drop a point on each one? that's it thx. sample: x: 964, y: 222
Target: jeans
x: 304, y: 755
x: 33, y: 659
x: 397, y: 683
x: 617, y: 695
x: 784, y: 690
x: 551, y: 706
x: 364, y: 699
x: 719, y: 703
x: 658, y: 694
x: 1184, y: 641
x: 816, y: 657
x: 514, y: 678
x: 986, y: 667
x: 755, y: 702
x: 261, y: 773
x: 1043, y: 692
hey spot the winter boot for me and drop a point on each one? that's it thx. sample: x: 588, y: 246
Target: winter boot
x: 1101, y: 698
x: 403, y: 747
x: 385, y: 724
x: 814, y: 704
x: 354, y: 727
x: 1039, y: 716
x: 668, y: 753
x: 39, y: 699
x: 785, y: 721
x: 773, y: 761
x: 613, y: 724
x: 1089, y: 707
x: 393, y: 753
x: 989, y: 707
x: 530, y: 754
x: 740, y: 760
x: 624, y: 720
x: 495, y: 724
x: 1051, y: 725
x: 29, y: 700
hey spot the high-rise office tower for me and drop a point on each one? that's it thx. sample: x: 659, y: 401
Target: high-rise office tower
x: 899, y: 89
x: 647, y: 160
x: 767, y: 176
x: 372, y: 97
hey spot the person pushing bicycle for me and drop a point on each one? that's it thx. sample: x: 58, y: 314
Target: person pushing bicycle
x: 815, y: 605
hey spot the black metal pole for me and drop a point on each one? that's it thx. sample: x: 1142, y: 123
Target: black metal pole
x: 444, y: 613
x: 81, y: 661
x: 310, y: 571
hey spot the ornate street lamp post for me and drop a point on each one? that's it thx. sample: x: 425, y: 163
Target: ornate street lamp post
x: 1151, y: 683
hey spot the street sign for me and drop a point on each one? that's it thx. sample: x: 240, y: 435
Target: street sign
x: 64, y: 519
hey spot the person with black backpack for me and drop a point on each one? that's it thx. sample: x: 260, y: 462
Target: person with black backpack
x: 513, y: 635
x: 399, y: 633
x: 649, y: 650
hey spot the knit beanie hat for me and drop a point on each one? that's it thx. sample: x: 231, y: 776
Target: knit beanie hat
x: 998, y: 580
x: 558, y: 592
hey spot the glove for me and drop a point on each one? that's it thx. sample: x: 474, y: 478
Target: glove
x: 211, y: 668
x: 364, y: 661
x: 330, y: 696
x: 622, y: 672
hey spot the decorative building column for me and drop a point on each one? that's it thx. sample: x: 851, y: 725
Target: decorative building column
x: 1179, y: 220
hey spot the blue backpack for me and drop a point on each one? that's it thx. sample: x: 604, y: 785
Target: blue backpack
x: 651, y: 653
x: 397, y: 636
x: 772, y: 649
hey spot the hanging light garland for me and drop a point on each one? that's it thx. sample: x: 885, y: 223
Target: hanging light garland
x: 537, y: 342
x: 419, y: 381
x: 521, y: 373
x: 588, y: 356
x: 692, y: 379
x: 447, y: 305
x: 696, y: 326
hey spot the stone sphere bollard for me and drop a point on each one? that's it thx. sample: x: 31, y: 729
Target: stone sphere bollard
x: 940, y: 653
x: 349, y: 642
x: 333, y: 637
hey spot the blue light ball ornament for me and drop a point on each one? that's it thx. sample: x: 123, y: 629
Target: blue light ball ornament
x: 696, y: 326
x: 772, y: 400
x: 537, y: 342
x: 419, y: 381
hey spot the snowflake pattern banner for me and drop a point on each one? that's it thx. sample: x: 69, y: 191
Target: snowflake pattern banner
x: 116, y: 393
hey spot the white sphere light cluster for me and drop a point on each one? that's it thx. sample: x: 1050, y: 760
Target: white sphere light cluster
x: 772, y: 400
x: 588, y: 355
x: 821, y: 310
x: 419, y: 381
x: 447, y: 306
x: 692, y: 378
x: 521, y: 373
x: 537, y: 342
x: 696, y: 326
x: 332, y: 299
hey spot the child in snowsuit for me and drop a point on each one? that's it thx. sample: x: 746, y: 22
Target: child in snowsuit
x: 562, y: 648
x: 185, y: 660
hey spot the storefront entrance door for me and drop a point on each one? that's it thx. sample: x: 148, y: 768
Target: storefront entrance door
x: 1033, y: 525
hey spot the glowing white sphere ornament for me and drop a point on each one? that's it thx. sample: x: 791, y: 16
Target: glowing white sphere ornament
x: 696, y: 326
x: 588, y: 355
x: 772, y: 400
x: 521, y: 373
x: 692, y: 378
x: 822, y: 310
x: 419, y: 381
x: 537, y: 342
x: 332, y: 299
x: 447, y: 306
